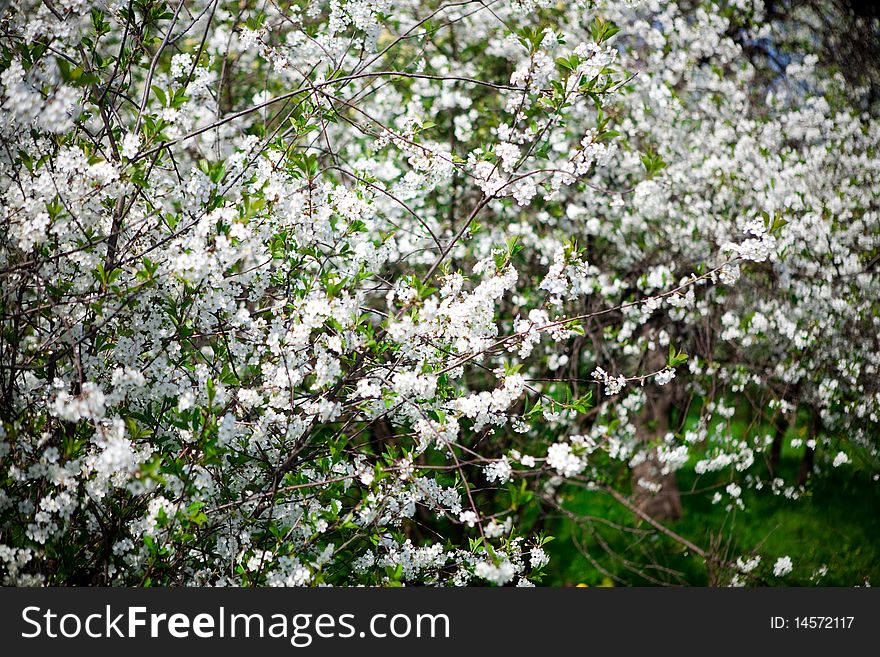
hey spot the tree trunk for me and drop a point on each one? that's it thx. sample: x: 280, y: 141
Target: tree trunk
x: 652, y: 424
x: 806, y: 466
x: 810, y: 454
x: 782, y: 423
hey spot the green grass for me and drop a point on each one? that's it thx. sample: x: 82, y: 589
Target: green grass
x: 837, y: 524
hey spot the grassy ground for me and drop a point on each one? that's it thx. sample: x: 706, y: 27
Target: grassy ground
x: 837, y: 525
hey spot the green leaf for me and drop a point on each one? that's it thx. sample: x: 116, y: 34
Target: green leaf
x: 160, y: 95
x: 653, y: 162
x: 602, y: 30
x: 675, y: 357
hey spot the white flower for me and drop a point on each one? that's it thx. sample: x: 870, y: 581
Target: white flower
x: 538, y: 558
x: 499, y: 470
x: 560, y: 456
x: 840, y: 459
x: 499, y: 575
x: 664, y: 377
x: 783, y: 566
x: 613, y: 385
x: 185, y: 401
x: 131, y: 142
x: 181, y: 64
x: 749, y: 565
x: 648, y: 485
x: 509, y: 154
x: 89, y: 404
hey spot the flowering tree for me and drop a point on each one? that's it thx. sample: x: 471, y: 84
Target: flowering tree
x: 348, y: 292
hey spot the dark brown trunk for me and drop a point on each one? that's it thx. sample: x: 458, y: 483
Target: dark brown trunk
x: 652, y: 424
x: 810, y: 454
x: 381, y: 435
x: 806, y: 466
x: 782, y: 424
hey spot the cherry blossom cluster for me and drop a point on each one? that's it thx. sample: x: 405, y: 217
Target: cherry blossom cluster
x: 339, y: 293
